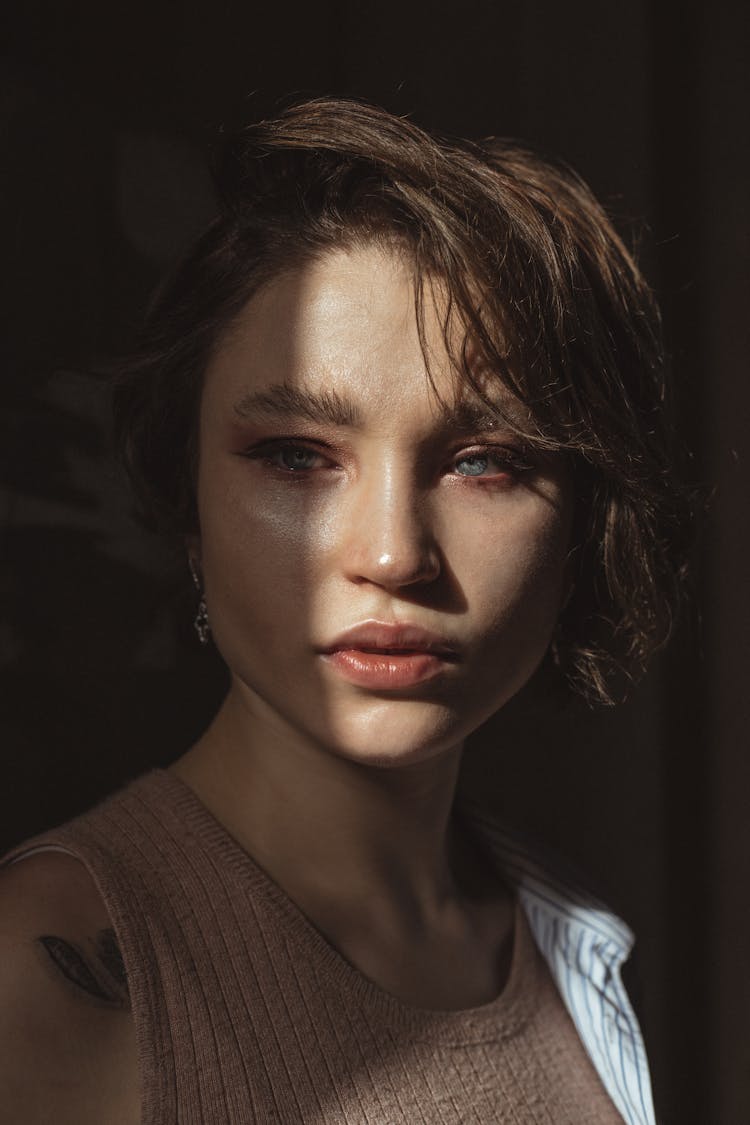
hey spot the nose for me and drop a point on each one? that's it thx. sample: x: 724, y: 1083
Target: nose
x: 389, y: 538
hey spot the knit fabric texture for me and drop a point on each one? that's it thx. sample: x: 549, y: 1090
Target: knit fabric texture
x: 245, y: 1013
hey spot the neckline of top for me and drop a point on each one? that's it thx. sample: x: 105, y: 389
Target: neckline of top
x: 499, y: 1018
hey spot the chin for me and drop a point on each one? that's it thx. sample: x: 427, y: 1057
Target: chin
x: 386, y: 741
x: 390, y: 758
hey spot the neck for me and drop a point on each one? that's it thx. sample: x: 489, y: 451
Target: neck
x: 327, y: 828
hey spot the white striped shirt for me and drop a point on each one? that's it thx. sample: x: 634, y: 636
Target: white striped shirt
x: 585, y: 946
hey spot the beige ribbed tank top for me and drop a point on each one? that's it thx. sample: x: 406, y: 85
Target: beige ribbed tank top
x: 244, y: 1012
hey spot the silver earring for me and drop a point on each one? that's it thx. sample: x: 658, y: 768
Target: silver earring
x: 201, y: 624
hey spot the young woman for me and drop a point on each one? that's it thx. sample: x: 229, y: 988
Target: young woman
x: 404, y: 404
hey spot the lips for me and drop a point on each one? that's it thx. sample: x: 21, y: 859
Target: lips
x: 379, y: 637
x: 380, y: 656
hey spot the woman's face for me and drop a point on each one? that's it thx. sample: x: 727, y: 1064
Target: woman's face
x: 334, y: 490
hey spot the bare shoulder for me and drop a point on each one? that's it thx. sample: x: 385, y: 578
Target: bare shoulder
x: 67, y: 1041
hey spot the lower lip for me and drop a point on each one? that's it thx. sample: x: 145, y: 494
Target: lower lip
x: 388, y: 669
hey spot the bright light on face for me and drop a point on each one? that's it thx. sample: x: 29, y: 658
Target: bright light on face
x: 334, y: 488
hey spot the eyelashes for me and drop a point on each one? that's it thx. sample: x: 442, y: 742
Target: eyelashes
x: 292, y: 457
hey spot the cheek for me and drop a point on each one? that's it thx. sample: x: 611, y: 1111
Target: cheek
x: 517, y: 576
x: 520, y: 543
x: 259, y: 556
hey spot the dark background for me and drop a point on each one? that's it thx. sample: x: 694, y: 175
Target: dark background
x: 107, y: 114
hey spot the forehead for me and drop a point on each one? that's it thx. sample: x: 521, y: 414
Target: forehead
x: 345, y: 326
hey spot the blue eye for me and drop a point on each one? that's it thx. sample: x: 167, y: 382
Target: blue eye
x: 501, y: 463
x: 477, y: 462
x: 294, y: 457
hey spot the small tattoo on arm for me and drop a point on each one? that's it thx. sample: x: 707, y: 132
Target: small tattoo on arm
x: 101, y: 973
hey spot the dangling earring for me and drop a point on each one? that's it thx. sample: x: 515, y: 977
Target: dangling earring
x: 201, y: 625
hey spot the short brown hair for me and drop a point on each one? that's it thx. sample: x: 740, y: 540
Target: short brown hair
x: 546, y: 291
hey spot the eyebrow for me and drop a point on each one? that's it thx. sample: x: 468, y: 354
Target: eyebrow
x: 281, y: 401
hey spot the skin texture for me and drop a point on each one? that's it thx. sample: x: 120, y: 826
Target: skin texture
x: 341, y: 792
x: 379, y: 530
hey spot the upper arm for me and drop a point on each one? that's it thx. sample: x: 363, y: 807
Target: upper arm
x: 67, y: 1041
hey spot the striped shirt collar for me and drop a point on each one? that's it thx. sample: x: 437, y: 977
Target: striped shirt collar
x: 585, y: 946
